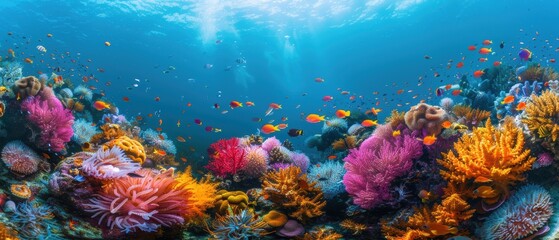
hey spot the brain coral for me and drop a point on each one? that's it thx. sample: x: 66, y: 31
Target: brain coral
x: 145, y: 204
x: 426, y: 117
x: 20, y: 159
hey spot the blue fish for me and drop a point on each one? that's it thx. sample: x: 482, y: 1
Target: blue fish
x: 79, y: 178
x: 525, y: 54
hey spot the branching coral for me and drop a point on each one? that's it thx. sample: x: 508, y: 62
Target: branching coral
x: 489, y: 155
x: 145, y: 204
x: 348, y: 142
x: 110, y: 132
x: 396, y: 118
x: 227, y: 157
x: 7, y: 233
x: 289, y: 189
x: 203, y: 192
x: 354, y: 227
x: 322, y: 233
x: 453, y: 210
x: 542, y: 116
x: 538, y: 73
x: 526, y: 212
x: 470, y: 117
x: 420, y: 225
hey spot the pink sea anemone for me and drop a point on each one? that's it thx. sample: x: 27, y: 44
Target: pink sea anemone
x: 20, y: 158
x: 146, y: 203
x: 256, y: 162
x: 301, y: 160
x: 109, y: 164
x: 271, y: 143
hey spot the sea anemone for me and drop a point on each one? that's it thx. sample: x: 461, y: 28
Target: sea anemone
x: 526, y: 212
x: 145, y: 203
x: 544, y: 159
x: 83, y: 131
x: 244, y: 225
x: 21, y: 191
x: 270, y: 143
x: 301, y: 160
x: 66, y: 93
x: 20, y: 158
x: 32, y: 220
x: 329, y: 176
x: 159, y: 140
x: 256, y: 162
x: 83, y: 92
x: 447, y: 103
x: 336, y: 124
x: 109, y: 164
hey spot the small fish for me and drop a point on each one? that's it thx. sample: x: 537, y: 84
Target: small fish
x: 157, y: 99
x: 181, y: 139
x: 49, y: 35
x: 502, y: 45
x: 275, y: 106
x: 314, y: 118
x: 483, y: 59
x: 439, y: 92
x: 342, y: 113
x: 425, y: 195
x: 41, y: 48
x: 369, y: 123
x: 525, y: 54
x: 332, y: 157
x: 198, y: 121
x: 282, y: 126
x: 28, y: 60
x: 521, y: 106
x: 160, y: 152
x: 487, y: 42
x: 100, y: 105
x: 269, y: 128
x: 107, y: 43
x: 327, y: 98
x: 396, y: 133
x: 429, y: 140
x: 178, y: 123
x: 459, y: 64
x: 446, y: 124
x: 249, y: 104
x: 485, y: 51
x: 508, y: 99
x: 478, y: 73
x: 373, y: 111
x: 295, y: 132
x: 472, y: 48
x: 485, y: 192
x: 134, y: 175
x: 208, y: 128
x: 482, y: 179
x: 235, y: 104
x: 319, y: 80
x: 497, y: 63
x: 126, y: 99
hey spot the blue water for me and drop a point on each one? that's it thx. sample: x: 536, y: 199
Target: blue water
x: 358, y: 46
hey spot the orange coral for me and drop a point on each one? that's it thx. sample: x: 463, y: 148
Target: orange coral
x: 110, y: 132
x: 7, y: 233
x: 453, y: 210
x: 396, y: 118
x: 353, y: 227
x: 224, y: 200
x: 489, y: 156
x: 542, y: 116
x: 421, y: 225
x: 203, y: 192
x: 21, y: 191
x: 132, y: 148
x: 346, y: 143
x: 321, y: 233
x: 290, y: 189
x: 470, y: 117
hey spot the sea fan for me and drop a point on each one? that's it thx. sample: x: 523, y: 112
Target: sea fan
x: 145, y: 203
x: 109, y: 164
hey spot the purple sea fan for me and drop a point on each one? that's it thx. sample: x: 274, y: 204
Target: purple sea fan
x: 145, y: 204
x: 109, y: 164
x: 20, y: 159
x: 525, y: 214
x: 51, y: 123
x: 375, y: 164
x: 256, y: 160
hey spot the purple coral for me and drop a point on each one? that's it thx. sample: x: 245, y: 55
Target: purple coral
x: 376, y: 163
x: 270, y: 143
x: 49, y: 118
x: 301, y: 160
x: 109, y: 164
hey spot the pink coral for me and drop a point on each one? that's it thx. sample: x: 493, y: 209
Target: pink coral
x: 270, y: 143
x: 20, y: 159
x: 50, y: 120
x: 146, y: 203
x: 376, y: 163
x: 109, y: 164
x: 256, y: 162
x: 227, y: 157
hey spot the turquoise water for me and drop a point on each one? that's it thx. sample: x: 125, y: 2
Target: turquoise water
x: 175, y: 61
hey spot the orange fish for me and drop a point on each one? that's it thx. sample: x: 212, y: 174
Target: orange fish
x: 28, y: 60
x: 11, y: 52
x: 485, y: 50
x: 446, y: 124
x: 460, y: 64
x: 126, y: 99
x: 100, y: 105
x: 471, y: 47
x: 181, y: 139
x: 85, y: 79
x: 425, y: 195
x: 497, y: 63
x: 439, y: 229
x: 369, y: 123
x: 275, y: 106
x: 456, y: 92
x: 160, y: 152
x: 178, y: 123
x: 521, y: 106
x: 160, y: 122
x: 483, y: 59
x: 183, y: 159
x: 448, y: 87
x: 235, y: 104
x: 282, y: 126
x: 314, y: 118
x: 342, y: 113
x: 487, y: 42
x: 161, y: 137
x: 139, y: 118
x: 485, y: 192
x: 319, y: 80
x: 374, y: 111
x: 269, y: 128
x: 429, y: 140
x: 396, y: 133
x: 332, y: 157
x: 482, y: 179
x: 508, y: 99
x: 159, y: 129
x: 157, y: 99
x: 249, y: 104
x: 478, y: 73
x: 400, y: 91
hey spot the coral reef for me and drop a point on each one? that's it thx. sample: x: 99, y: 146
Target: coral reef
x: 82, y: 92
x: 469, y: 116
x: 256, y: 159
x: 542, y: 117
x: 289, y: 189
x: 159, y: 140
x: 203, y: 192
x: 346, y: 143
x: 27, y: 86
x: 225, y: 200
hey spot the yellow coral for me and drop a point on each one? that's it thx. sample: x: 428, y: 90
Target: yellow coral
x: 346, y: 143
x: 542, y: 115
x: 202, y: 192
x: 290, y: 189
x: 132, y: 148
x: 224, y: 200
x: 453, y: 210
x: 275, y: 219
x: 7, y: 233
x: 470, y: 117
x: 321, y: 233
x: 353, y: 227
x: 494, y: 154
x: 396, y: 118
x: 21, y: 191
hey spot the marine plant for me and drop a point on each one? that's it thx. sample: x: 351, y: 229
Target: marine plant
x: 289, y: 189
x: 328, y: 177
x: 373, y: 167
x: 146, y: 203
x: 242, y: 225
x: 83, y: 131
x: 521, y: 216
x: 50, y: 123
x: 226, y: 157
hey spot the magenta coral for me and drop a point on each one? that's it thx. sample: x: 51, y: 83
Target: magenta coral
x: 109, y: 164
x: 49, y: 118
x: 227, y: 157
x: 145, y: 204
x: 376, y: 163
x: 20, y: 159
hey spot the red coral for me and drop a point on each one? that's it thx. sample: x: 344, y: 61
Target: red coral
x: 227, y: 157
